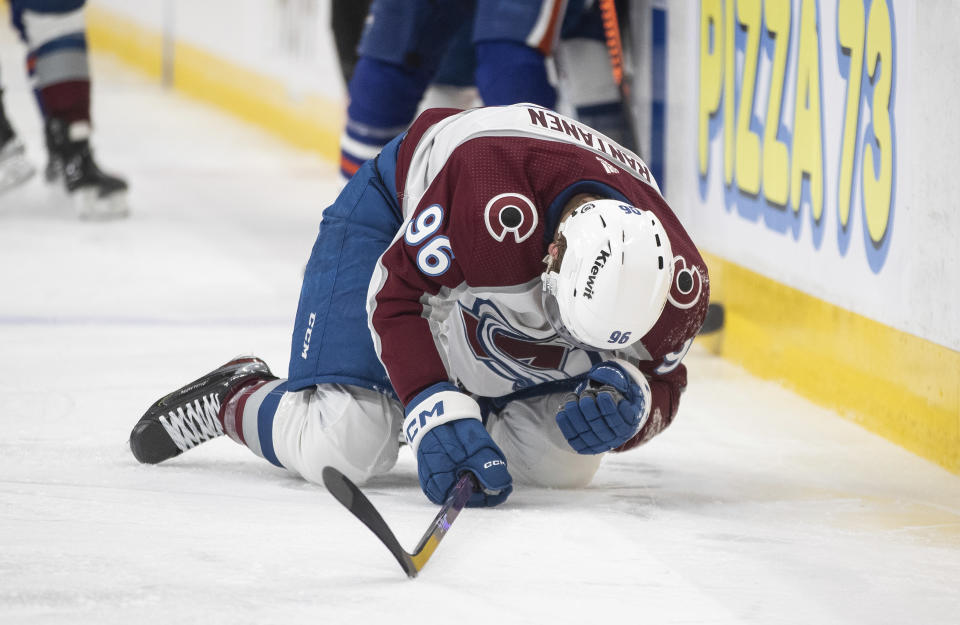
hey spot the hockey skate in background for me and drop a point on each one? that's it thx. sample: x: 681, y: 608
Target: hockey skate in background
x: 94, y: 194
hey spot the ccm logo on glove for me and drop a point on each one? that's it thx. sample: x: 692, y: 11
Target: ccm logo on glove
x: 447, y: 436
x: 436, y: 408
x: 412, y: 427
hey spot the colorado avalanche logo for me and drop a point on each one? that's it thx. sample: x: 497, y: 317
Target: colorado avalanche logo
x: 509, y: 353
x: 687, y: 284
x: 510, y: 212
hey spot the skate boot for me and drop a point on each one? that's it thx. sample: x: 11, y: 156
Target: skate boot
x: 94, y: 194
x: 190, y: 415
x: 15, y: 169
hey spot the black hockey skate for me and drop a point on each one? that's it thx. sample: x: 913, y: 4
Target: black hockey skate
x: 15, y: 169
x: 188, y: 416
x: 94, y: 194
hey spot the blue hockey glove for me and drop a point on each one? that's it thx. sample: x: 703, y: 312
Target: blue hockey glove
x: 444, y: 429
x: 610, y: 406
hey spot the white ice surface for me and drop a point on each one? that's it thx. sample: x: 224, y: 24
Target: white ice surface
x: 755, y: 507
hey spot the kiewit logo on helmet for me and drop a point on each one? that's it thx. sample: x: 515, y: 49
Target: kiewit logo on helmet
x: 598, y: 263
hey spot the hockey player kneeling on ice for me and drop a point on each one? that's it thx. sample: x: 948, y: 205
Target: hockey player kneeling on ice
x: 504, y: 286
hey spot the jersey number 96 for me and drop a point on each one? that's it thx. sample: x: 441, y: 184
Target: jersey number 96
x: 434, y: 257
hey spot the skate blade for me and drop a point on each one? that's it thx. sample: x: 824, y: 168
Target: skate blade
x: 90, y: 206
x: 14, y: 171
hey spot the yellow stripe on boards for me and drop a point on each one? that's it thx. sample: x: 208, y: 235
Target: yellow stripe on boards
x: 313, y: 123
x: 134, y: 44
x: 902, y: 387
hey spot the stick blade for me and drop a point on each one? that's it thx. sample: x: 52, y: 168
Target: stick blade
x: 714, y: 321
x: 350, y: 496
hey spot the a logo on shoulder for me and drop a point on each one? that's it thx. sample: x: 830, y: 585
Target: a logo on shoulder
x: 510, y: 213
x: 687, y: 284
x: 607, y: 167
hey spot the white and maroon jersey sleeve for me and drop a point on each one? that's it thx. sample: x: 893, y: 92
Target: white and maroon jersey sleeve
x: 424, y: 260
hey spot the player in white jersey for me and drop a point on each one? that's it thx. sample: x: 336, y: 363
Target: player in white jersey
x: 504, y: 286
x: 55, y: 34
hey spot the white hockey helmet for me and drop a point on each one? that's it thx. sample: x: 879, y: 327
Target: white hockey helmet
x: 613, y: 278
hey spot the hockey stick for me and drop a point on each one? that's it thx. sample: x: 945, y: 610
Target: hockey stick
x: 348, y: 494
x: 611, y: 32
x: 713, y: 322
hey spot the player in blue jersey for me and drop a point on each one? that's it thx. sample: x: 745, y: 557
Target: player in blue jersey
x: 500, y: 45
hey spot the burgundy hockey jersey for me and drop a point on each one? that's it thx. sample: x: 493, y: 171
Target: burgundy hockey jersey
x: 457, y: 295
